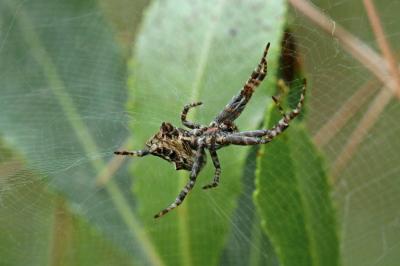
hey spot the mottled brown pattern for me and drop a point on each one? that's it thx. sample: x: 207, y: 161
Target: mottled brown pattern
x: 186, y: 148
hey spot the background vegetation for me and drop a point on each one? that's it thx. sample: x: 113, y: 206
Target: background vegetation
x: 80, y: 79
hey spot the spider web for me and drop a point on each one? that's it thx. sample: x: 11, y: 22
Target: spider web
x: 63, y: 71
x: 347, y: 99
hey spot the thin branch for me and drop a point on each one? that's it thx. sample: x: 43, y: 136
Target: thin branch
x: 344, y: 114
x: 366, y: 123
x: 379, y: 104
x: 112, y: 166
x: 358, y: 49
x: 382, y: 42
x: 10, y: 168
x: 385, y: 71
x: 61, y: 233
x: 109, y: 170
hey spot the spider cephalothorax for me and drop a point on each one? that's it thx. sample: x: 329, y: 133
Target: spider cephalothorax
x: 186, y: 148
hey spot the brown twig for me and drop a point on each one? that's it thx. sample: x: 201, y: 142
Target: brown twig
x: 382, y: 42
x: 112, y: 166
x: 60, y: 233
x: 358, y: 49
x: 385, y: 71
x: 380, y: 102
x: 345, y: 113
x: 366, y: 123
x: 11, y: 167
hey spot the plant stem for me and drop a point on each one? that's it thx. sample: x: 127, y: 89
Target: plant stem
x: 344, y: 114
x: 354, y: 46
x: 366, y: 123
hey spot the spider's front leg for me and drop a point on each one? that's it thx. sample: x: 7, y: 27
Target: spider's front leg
x: 198, y: 164
x: 233, y: 109
x: 284, y: 122
x: 266, y: 135
x: 184, y: 113
x: 217, y: 173
x: 139, y: 153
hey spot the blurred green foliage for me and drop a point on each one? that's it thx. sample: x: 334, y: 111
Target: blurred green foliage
x: 62, y: 85
x: 68, y: 98
x: 294, y: 201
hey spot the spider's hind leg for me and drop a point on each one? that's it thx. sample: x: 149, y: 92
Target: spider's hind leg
x: 197, y: 166
x: 217, y: 173
x: 238, y: 139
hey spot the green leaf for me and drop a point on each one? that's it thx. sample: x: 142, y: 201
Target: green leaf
x: 247, y: 244
x: 52, y: 235
x: 196, y: 51
x: 62, y: 108
x: 294, y: 202
x: 366, y: 188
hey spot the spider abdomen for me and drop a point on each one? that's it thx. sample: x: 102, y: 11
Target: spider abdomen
x: 173, y: 145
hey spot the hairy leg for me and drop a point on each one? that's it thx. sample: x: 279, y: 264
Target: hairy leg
x: 282, y: 124
x: 139, y: 153
x: 233, y: 109
x: 241, y: 140
x: 253, y: 133
x: 198, y: 164
x: 184, y: 113
x: 217, y: 173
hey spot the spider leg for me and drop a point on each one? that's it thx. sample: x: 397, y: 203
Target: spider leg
x: 233, y: 109
x: 184, y: 113
x: 262, y: 132
x: 198, y: 164
x: 284, y: 122
x: 281, y: 125
x: 139, y: 153
x: 278, y: 105
x: 253, y: 133
x: 217, y: 173
x: 241, y: 140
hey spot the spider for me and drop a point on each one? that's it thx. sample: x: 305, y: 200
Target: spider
x: 186, y: 148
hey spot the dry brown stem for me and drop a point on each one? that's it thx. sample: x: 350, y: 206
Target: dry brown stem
x: 354, y: 46
x: 382, y: 42
x: 345, y: 113
x: 358, y: 135
x: 112, y: 166
x: 385, y: 70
